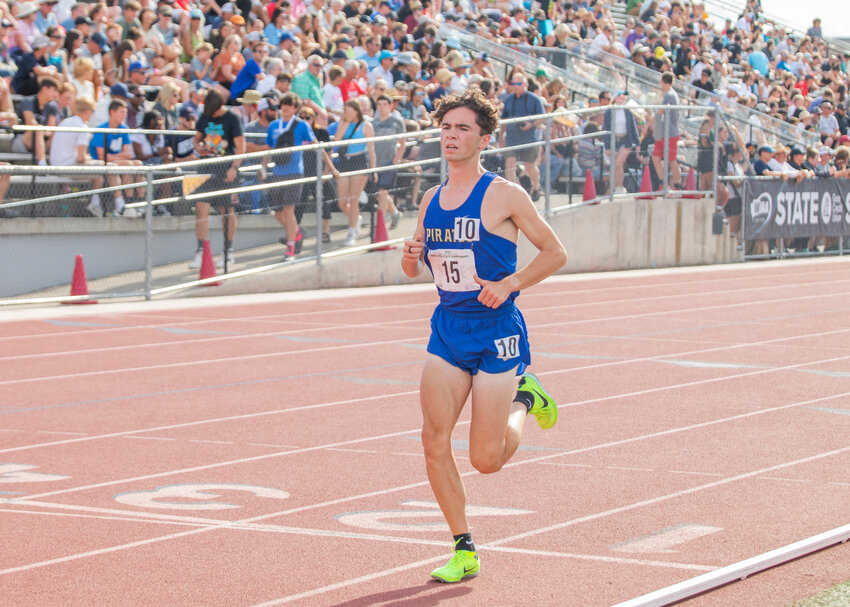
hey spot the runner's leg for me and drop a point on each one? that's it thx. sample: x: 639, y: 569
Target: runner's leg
x: 443, y: 392
x: 497, y: 421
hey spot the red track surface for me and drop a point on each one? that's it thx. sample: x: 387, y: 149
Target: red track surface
x: 251, y: 453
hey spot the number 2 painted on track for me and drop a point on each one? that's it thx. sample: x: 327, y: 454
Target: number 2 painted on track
x: 382, y: 520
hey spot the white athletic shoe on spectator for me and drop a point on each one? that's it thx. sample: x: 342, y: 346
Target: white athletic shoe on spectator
x: 132, y: 213
x: 94, y: 210
x: 230, y: 260
x: 197, y: 260
x: 359, y: 224
x: 351, y: 239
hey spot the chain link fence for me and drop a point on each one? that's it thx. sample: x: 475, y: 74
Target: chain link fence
x: 150, y: 247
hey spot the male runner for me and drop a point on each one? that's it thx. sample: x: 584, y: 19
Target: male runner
x: 466, y: 234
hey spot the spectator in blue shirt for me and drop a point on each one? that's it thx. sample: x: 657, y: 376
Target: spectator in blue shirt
x: 248, y: 74
x: 289, y: 131
x: 117, y: 149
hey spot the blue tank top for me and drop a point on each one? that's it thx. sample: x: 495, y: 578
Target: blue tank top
x: 456, y: 241
x: 351, y: 133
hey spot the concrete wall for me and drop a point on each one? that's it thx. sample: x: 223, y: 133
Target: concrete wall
x: 39, y: 253
x: 609, y: 236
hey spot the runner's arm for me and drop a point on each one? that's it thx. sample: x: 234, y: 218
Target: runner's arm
x: 551, y: 255
x: 412, y: 260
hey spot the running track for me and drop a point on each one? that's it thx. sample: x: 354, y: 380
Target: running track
x: 265, y: 451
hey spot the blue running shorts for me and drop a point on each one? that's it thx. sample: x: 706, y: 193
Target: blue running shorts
x: 493, y: 341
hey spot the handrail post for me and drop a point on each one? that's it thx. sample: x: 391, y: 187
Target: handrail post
x: 547, y: 168
x: 716, y: 155
x: 612, y: 139
x: 666, y: 141
x: 149, y: 235
x: 320, y: 186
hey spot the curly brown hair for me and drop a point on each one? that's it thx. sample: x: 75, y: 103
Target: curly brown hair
x: 486, y: 114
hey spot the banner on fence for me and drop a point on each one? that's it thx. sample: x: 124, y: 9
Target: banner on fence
x: 788, y: 209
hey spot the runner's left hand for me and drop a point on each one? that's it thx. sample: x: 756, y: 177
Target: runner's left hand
x: 493, y: 293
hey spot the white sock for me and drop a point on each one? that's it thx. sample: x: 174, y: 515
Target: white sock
x: 119, y: 204
x: 95, y: 200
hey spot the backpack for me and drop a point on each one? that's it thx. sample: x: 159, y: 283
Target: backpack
x: 286, y: 140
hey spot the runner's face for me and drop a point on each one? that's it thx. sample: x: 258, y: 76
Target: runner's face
x: 460, y: 136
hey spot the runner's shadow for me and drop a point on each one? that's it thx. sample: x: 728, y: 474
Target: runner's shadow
x: 404, y: 597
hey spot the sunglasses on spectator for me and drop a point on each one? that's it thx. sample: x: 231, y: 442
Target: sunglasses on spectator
x: 517, y: 83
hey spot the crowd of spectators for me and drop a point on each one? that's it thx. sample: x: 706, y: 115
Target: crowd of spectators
x: 351, y: 68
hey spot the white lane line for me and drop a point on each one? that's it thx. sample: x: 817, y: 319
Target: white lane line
x: 73, y: 510
x: 150, y: 437
x: 627, y: 468
x: 375, y: 451
x: 785, y: 480
x: 201, y: 422
x: 465, y: 474
x: 274, y: 446
x: 211, y: 442
x: 541, y: 373
x: 410, y: 454
x: 193, y: 363
x: 59, y: 432
x: 568, y: 465
x: 696, y: 473
x: 244, y: 460
x: 529, y: 310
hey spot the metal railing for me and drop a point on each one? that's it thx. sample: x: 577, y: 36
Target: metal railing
x: 148, y: 258
x: 589, y: 73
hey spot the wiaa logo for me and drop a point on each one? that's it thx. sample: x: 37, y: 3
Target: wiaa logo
x: 761, y: 207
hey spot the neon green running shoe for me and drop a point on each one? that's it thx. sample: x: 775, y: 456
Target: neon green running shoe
x: 544, y: 408
x: 462, y: 564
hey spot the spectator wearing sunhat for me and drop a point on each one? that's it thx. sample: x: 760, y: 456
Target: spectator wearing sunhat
x: 459, y: 65
x: 247, y: 109
x: 46, y: 17
x: 25, y: 29
x: 443, y: 77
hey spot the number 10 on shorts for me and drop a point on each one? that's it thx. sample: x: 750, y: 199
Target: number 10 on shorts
x: 507, y: 347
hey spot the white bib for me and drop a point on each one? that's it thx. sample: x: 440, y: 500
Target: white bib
x: 453, y: 269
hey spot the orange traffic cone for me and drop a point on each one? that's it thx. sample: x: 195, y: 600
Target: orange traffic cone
x: 691, y: 184
x: 381, y: 231
x: 589, y: 187
x: 79, y: 285
x: 208, y: 266
x: 646, y: 184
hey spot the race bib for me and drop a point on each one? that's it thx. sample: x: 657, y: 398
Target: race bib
x: 454, y: 269
x: 507, y: 347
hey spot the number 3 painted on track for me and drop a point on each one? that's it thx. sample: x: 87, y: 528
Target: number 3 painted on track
x: 175, y: 497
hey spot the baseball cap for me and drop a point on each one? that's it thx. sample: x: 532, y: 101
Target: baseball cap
x: 196, y: 13
x: 199, y: 85
x: 83, y: 20
x: 100, y: 39
x: 825, y: 150
x: 797, y: 150
x: 386, y: 55
x: 765, y: 148
x: 187, y: 111
x: 137, y: 66
x: 285, y: 36
x: 339, y: 54
x: 228, y: 7
x: 119, y: 89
